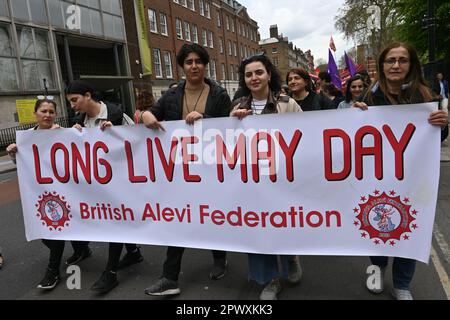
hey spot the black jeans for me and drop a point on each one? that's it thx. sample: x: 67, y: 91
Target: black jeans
x: 57, y: 249
x: 172, y: 265
x: 115, y: 250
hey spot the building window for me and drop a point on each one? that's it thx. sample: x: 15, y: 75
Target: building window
x: 153, y: 22
x: 179, y: 28
x: 163, y: 20
x: 184, y: 3
x: 187, y: 31
x: 213, y: 69
x: 157, y: 63
x: 221, y: 45
x: 230, y: 49
x: 275, y: 62
x: 204, y: 38
x: 224, y: 73
x: 232, y: 25
x: 232, y: 72
x: 168, y: 65
x: 210, y: 39
x: 227, y: 20
x: 191, y: 4
x: 207, y: 10
x: 195, y: 33
x: 37, y: 63
x: 274, y: 50
x: 235, y: 49
x: 8, y: 62
x: 176, y: 1
x: 219, y: 20
x: 201, y: 5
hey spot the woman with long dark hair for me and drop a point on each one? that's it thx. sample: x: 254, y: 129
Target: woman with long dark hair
x: 401, y: 82
x: 261, y: 86
x: 354, y: 89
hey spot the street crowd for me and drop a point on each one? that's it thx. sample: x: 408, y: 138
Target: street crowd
x: 261, y: 91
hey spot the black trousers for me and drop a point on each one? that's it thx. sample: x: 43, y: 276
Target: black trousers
x: 115, y: 250
x: 57, y: 249
x: 172, y: 265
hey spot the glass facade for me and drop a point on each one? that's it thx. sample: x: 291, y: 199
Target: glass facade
x: 26, y: 53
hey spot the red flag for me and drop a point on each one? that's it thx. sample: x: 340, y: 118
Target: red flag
x: 332, y: 45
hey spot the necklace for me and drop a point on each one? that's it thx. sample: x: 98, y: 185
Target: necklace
x: 198, y: 99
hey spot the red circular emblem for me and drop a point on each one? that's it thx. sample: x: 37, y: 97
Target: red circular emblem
x: 385, y: 217
x: 54, y: 211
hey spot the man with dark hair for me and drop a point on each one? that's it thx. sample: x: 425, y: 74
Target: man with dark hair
x: 193, y: 99
x: 442, y: 90
x: 93, y: 113
x: 324, y: 78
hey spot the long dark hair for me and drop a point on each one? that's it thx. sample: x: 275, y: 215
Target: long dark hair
x: 348, y: 94
x: 414, y: 77
x: 275, y: 79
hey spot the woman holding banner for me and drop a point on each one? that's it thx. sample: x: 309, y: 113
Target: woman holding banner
x: 400, y: 82
x: 355, y: 88
x: 45, y: 113
x: 261, y: 85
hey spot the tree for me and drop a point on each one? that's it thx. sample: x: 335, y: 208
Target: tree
x: 371, y: 22
x: 411, y: 29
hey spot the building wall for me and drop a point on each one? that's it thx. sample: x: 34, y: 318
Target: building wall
x: 31, y: 30
x: 170, y: 44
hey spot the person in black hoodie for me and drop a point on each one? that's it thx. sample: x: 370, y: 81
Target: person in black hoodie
x: 400, y: 82
x: 94, y: 113
x: 194, y: 99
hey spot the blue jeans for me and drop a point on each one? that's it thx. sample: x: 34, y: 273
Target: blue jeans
x: 402, y: 270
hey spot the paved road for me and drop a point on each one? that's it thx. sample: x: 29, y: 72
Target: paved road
x: 324, y: 277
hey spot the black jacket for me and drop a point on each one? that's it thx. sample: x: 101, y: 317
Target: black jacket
x: 170, y: 106
x: 115, y: 115
x: 314, y: 102
x: 380, y: 99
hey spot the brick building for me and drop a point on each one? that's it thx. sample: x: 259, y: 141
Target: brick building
x: 284, y: 54
x: 223, y: 27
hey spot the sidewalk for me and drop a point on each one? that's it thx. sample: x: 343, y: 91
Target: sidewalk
x: 6, y: 165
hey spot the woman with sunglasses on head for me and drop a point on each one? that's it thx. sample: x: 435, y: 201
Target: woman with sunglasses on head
x: 261, y: 85
x: 355, y: 88
x: 400, y: 82
x: 45, y: 113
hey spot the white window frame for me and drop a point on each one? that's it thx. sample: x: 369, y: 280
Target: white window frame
x: 187, y: 31
x: 210, y: 39
x: 207, y: 10
x: 152, y: 14
x: 191, y: 4
x: 163, y: 24
x: 179, y: 28
x: 168, y: 64
x: 194, y: 33
x: 204, y: 38
x: 157, y: 63
x: 201, y: 5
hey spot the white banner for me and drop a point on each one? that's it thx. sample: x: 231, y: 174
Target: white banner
x: 340, y: 182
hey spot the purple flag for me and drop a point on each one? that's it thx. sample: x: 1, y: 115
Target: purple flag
x: 333, y: 71
x: 350, y: 65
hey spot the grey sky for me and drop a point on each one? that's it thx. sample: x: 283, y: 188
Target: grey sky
x: 309, y: 24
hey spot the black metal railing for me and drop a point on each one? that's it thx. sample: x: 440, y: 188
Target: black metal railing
x: 8, y: 135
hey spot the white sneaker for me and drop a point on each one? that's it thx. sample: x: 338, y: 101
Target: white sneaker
x: 295, y: 271
x: 271, y: 291
x: 400, y: 294
x: 376, y: 290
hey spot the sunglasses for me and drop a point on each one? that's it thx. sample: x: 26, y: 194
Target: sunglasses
x: 246, y: 60
x: 45, y: 97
